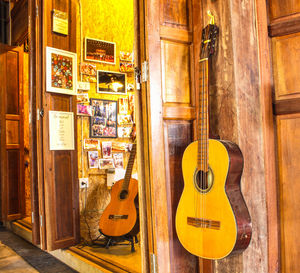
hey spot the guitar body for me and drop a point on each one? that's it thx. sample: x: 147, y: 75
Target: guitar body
x: 214, y: 223
x: 120, y: 217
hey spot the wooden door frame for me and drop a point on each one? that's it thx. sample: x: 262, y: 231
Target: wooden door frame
x: 34, y: 127
x: 265, y: 79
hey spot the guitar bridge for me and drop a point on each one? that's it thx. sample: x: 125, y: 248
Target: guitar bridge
x: 203, y: 223
x: 117, y: 217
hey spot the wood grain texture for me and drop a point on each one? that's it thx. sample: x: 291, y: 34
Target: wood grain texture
x: 289, y: 106
x: 59, y: 167
x: 285, y: 25
x: 176, y: 72
x: 165, y: 48
x: 269, y: 135
x: 279, y: 8
x: 19, y: 22
x: 179, y: 135
x: 12, y: 133
x: 236, y: 117
x: 286, y: 68
x: 175, y: 13
x: 289, y: 185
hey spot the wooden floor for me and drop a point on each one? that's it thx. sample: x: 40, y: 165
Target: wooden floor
x: 119, y: 255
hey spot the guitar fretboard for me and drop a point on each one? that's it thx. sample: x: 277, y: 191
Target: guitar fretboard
x: 203, y: 124
x: 129, y: 167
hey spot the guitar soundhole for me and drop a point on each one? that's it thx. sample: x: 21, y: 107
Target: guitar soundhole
x: 123, y: 194
x: 203, y: 180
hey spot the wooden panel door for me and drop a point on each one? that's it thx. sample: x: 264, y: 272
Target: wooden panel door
x: 285, y: 35
x: 12, y: 133
x: 169, y: 105
x: 58, y: 185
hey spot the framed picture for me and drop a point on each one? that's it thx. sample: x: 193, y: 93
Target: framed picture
x: 106, y: 149
x: 83, y: 98
x: 123, y: 105
x: 100, y: 51
x: 90, y: 143
x: 106, y: 163
x: 61, y: 69
x: 84, y: 110
x: 118, y: 160
x: 126, y: 56
x: 93, y: 159
x: 124, y: 131
x: 103, y: 122
x: 111, y: 82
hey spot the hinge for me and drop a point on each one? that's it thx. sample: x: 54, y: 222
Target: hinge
x: 39, y: 113
x: 37, y: 11
x: 145, y: 71
x: 137, y: 76
x: 153, y: 264
x: 41, y: 220
x: 32, y: 217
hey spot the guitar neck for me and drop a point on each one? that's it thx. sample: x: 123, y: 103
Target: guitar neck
x: 203, y: 117
x: 129, y: 167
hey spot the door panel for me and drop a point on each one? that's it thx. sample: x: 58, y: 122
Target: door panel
x: 286, y: 57
x: 287, y: 81
x: 12, y: 133
x: 288, y: 127
x: 58, y: 186
x: 171, y: 115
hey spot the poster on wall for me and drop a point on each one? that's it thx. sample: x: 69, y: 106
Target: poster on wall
x: 93, y: 159
x: 61, y: 130
x: 111, y: 82
x: 90, y: 143
x: 61, y: 71
x: 106, y: 149
x: 100, y: 51
x: 106, y: 163
x: 103, y: 122
x: 60, y: 22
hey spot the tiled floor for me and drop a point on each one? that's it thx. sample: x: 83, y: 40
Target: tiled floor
x: 11, y: 262
x: 18, y: 255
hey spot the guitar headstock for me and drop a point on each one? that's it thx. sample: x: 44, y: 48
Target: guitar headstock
x: 209, y: 41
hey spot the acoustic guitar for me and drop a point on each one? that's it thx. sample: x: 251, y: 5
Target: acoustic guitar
x: 120, y: 217
x: 212, y: 220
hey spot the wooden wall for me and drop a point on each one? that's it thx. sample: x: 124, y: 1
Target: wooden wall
x: 284, y: 32
x: 236, y: 115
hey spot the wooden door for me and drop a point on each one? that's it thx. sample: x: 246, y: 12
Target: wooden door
x: 169, y: 115
x: 12, y: 133
x: 284, y: 31
x: 58, y: 185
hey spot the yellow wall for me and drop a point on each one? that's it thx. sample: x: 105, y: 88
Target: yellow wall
x: 110, y: 21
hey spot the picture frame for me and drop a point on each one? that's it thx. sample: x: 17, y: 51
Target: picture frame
x: 106, y: 163
x: 103, y: 122
x: 61, y: 71
x: 90, y: 143
x: 84, y: 110
x: 106, y: 149
x: 93, y: 159
x: 111, y: 82
x: 118, y: 160
x: 100, y: 51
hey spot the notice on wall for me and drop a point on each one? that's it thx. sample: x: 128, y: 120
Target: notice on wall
x: 61, y: 130
x: 60, y: 22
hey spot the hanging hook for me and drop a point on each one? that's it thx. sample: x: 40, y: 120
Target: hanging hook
x: 212, y: 17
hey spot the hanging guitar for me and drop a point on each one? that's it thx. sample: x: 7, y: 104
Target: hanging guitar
x: 212, y: 220
x: 120, y: 217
